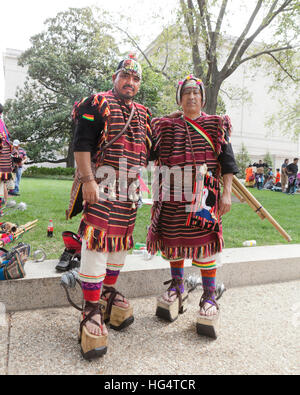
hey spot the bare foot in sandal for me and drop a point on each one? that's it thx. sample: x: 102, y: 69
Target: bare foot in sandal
x: 172, y: 292
x: 208, y: 310
x: 93, y: 328
x: 119, y: 301
x: 208, y: 305
x: 169, y: 296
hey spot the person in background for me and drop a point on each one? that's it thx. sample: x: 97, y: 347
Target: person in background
x: 259, y: 176
x: 298, y: 181
x: 292, y: 170
x: 5, y: 160
x: 277, y: 177
x: 250, y: 177
x: 284, y: 177
x: 19, y: 157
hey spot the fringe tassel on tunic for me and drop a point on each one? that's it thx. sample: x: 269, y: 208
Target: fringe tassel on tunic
x: 170, y: 253
x: 97, y: 240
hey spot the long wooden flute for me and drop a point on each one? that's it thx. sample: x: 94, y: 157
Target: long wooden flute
x: 242, y: 193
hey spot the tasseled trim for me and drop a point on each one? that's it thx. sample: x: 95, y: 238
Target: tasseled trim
x: 5, y: 176
x: 224, y: 133
x: 97, y: 240
x: 172, y: 253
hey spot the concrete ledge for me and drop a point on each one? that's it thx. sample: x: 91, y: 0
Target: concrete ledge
x: 241, y: 267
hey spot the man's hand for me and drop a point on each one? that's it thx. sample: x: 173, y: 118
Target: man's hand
x: 225, y: 204
x: 90, y: 189
x: 225, y: 201
x: 90, y: 192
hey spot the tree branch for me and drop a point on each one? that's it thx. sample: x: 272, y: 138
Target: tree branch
x: 47, y: 87
x: 231, y: 97
x: 205, y: 30
x: 221, y: 17
x: 213, y: 65
x: 283, y: 68
x: 144, y: 55
x: 193, y: 30
x: 266, y: 22
x: 241, y: 38
x: 256, y: 55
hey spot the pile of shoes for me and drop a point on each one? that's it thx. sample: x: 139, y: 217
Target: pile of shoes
x: 70, y: 258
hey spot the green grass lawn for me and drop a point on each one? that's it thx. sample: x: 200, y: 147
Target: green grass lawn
x: 48, y: 199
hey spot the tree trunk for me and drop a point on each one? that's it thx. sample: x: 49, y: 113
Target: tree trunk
x: 212, y: 93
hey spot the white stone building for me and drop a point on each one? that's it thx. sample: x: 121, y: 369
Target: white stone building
x: 14, y: 75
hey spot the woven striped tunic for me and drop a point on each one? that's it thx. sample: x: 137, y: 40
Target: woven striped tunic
x: 108, y: 225
x: 168, y: 232
x: 5, y: 153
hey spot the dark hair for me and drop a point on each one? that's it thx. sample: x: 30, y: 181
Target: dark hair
x: 277, y: 169
x: 1, y: 108
x: 296, y: 159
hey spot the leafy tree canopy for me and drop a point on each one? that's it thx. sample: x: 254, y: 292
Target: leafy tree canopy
x: 74, y: 57
x: 200, y: 41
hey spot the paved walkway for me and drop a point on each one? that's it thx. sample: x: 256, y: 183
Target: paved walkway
x: 260, y: 330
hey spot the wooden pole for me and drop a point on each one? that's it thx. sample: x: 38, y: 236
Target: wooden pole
x: 244, y: 195
x: 22, y: 229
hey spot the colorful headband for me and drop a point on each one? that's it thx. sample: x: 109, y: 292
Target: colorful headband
x: 183, y: 83
x: 130, y: 64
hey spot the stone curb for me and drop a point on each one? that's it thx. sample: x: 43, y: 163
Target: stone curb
x: 241, y: 267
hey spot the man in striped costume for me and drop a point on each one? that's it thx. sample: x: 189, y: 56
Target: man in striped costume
x: 5, y: 159
x: 181, y: 144
x: 109, y: 201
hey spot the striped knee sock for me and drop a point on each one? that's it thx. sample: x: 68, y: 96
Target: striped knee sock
x: 112, y: 273
x: 111, y: 277
x: 91, y: 291
x: 177, y: 271
x: 205, y: 264
x: 209, y: 280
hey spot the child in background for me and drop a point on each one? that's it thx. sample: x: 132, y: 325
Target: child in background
x: 277, y: 178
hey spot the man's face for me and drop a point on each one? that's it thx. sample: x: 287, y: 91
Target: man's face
x: 191, y: 100
x: 126, y: 84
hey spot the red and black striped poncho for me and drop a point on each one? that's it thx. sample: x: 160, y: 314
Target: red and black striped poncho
x: 5, y: 153
x: 168, y: 231
x: 108, y: 225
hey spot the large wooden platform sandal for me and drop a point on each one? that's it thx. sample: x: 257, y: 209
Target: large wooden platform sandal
x: 208, y: 325
x: 92, y: 346
x: 118, y: 317
x: 170, y: 310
